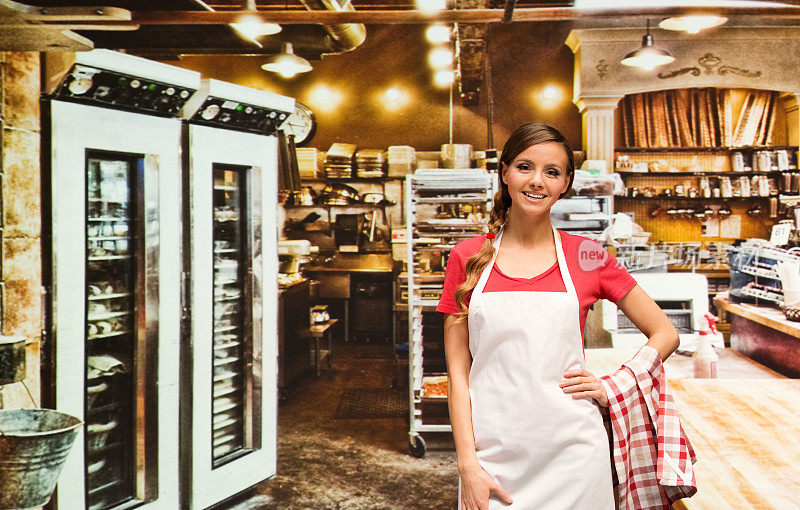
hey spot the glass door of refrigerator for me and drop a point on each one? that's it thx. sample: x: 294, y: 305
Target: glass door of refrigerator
x: 232, y: 336
x: 121, y: 330
x: 112, y: 329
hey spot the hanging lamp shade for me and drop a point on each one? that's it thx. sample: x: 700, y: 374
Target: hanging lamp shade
x: 250, y: 26
x: 287, y: 64
x: 692, y: 24
x: 648, y: 57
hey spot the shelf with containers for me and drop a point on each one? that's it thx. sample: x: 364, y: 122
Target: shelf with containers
x: 706, y: 186
x: 377, y: 180
x: 442, y: 208
x: 373, y: 197
x: 776, y: 166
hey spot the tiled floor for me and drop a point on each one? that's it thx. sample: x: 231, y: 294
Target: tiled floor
x: 353, y: 464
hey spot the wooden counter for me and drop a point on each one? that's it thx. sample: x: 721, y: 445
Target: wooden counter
x: 743, y: 427
x: 763, y: 334
x: 745, y: 436
x: 710, y: 270
x: 770, y: 317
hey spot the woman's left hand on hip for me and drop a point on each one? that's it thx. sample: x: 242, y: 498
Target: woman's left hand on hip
x: 581, y: 383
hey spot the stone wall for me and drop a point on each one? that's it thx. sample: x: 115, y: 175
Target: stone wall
x: 20, y: 260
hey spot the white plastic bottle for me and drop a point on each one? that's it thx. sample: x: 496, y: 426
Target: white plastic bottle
x: 705, y: 359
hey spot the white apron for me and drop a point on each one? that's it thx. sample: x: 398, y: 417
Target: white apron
x: 544, y: 448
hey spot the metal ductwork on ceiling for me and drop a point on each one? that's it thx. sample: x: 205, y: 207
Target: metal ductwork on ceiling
x: 347, y: 35
x: 471, y: 54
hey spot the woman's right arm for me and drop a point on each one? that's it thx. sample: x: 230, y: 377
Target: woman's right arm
x: 476, y: 485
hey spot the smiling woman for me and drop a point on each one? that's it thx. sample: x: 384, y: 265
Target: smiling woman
x: 518, y: 356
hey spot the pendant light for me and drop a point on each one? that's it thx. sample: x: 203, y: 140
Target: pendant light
x: 251, y: 26
x: 692, y: 24
x: 648, y: 57
x: 287, y: 64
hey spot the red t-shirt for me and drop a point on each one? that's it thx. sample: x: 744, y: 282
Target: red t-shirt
x: 595, y: 273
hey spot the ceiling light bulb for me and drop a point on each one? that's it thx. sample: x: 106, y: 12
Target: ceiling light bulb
x: 286, y: 68
x: 321, y: 94
x: 444, y: 78
x: 325, y: 98
x: 393, y: 95
x: 440, y: 57
x: 438, y: 33
x: 394, y: 98
x: 692, y: 24
x: 648, y: 58
x: 550, y: 94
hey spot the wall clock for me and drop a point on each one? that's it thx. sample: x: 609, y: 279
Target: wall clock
x: 302, y: 124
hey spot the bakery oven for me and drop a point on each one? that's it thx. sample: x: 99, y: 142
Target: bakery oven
x: 111, y: 152
x: 230, y: 333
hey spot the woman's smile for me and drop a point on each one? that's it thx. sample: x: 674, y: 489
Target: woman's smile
x: 535, y: 197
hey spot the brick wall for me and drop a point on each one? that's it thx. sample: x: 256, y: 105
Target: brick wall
x: 20, y: 209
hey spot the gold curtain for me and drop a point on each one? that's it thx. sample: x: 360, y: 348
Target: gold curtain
x: 697, y: 117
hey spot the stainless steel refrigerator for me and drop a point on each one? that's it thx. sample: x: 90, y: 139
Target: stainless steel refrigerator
x: 112, y: 245
x: 229, y: 350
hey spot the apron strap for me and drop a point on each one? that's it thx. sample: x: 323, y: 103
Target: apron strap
x: 562, y: 265
x: 570, y: 286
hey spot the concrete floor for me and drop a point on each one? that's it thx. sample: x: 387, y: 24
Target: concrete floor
x: 328, y: 463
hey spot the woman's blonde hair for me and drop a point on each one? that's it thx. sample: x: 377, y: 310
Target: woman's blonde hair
x: 521, y: 139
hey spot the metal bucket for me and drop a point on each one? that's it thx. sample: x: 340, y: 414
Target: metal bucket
x: 34, y: 444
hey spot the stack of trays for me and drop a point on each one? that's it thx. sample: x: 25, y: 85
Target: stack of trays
x: 369, y: 163
x: 339, y: 161
x: 310, y: 162
x: 401, y: 159
x: 446, y: 178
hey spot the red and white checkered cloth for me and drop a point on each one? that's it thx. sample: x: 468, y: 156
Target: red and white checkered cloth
x: 651, y: 454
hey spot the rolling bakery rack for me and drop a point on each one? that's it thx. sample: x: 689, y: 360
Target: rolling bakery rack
x: 443, y: 207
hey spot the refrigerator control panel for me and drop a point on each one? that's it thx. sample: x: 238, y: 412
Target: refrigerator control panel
x: 113, y: 89
x: 226, y: 113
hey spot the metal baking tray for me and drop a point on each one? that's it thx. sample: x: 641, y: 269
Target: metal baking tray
x: 432, y: 379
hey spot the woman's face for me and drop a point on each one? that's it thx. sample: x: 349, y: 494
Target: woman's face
x: 537, y: 178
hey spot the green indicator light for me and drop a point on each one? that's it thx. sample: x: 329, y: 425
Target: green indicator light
x: 122, y: 79
x: 152, y: 86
